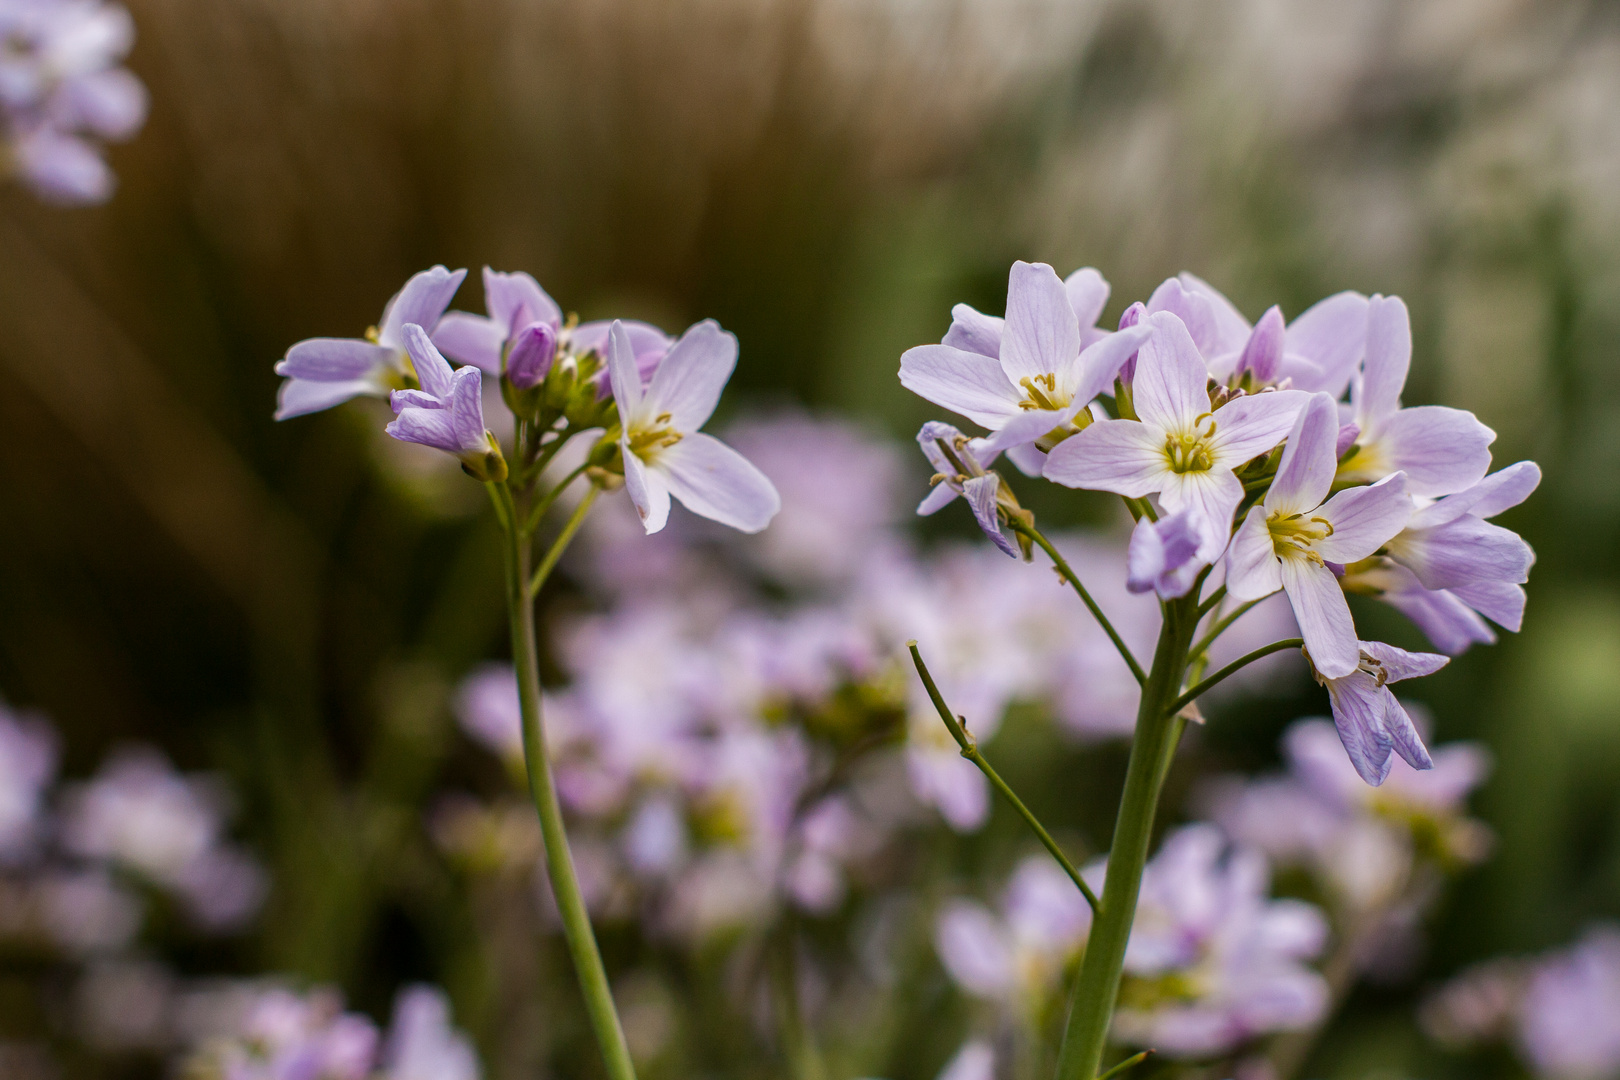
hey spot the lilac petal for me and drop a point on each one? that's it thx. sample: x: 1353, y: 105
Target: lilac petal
x: 1121, y: 456
x: 1262, y: 354
x: 533, y: 350
x: 300, y: 397
x: 421, y: 301
x: 647, y: 343
x: 1101, y: 361
x: 688, y: 382
x: 432, y: 369
x: 1195, y: 312
x: 465, y: 403
x: 1445, y: 619
x: 1213, y: 497
x: 1088, y: 295
x: 1251, y: 559
x: 1028, y: 426
x: 936, y: 500
x: 471, y: 339
x: 1333, y: 334
x: 515, y: 300
x: 929, y: 436
x: 61, y: 168
x: 111, y: 103
x: 1441, y: 450
x: 1500, y: 601
x: 975, y: 332
x: 1403, y: 734
x: 1348, y: 433
x: 1400, y: 665
x: 1171, y: 385
x: 981, y: 496
x: 964, y: 382
x: 1389, y: 355
x: 1162, y: 555
x: 975, y: 1061
x: 1323, y: 616
x: 400, y: 400
x: 335, y: 360
x: 429, y: 427
x: 625, y: 379
x: 1501, y: 490
x: 1463, y: 552
x: 1364, y: 519
x: 1251, y: 425
x: 1305, y: 473
x: 1359, y: 708
x: 714, y: 481
x: 1131, y: 316
x: 1028, y: 458
x: 648, y: 493
x: 1231, y: 328
x: 972, y: 944
x: 1041, y: 334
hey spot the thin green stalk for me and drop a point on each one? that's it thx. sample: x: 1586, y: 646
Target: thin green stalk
x: 1129, y: 1063
x: 593, y: 980
x: 1213, y: 602
x: 798, y: 1045
x: 1230, y: 669
x: 559, y: 545
x: 1091, y: 1007
x: 970, y: 750
x: 1220, y: 626
x: 1096, y: 612
x: 544, y: 502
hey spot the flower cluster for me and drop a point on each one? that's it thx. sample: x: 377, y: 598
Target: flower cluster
x: 1246, y: 471
x: 60, y: 89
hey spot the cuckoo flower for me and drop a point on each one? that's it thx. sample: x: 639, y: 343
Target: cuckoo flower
x: 1163, y: 554
x: 1441, y: 450
x: 448, y: 412
x: 664, y: 453
x: 323, y: 372
x: 1035, y: 382
x: 1179, y: 449
x: 1370, y: 720
x: 1287, y: 540
x: 516, y: 304
x: 957, y: 471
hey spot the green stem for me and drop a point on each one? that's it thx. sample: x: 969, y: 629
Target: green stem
x: 1230, y: 669
x: 970, y: 750
x: 559, y: 545
x: 593, y: 980
x: 1129, y: 1063
x: 1096, y: 989
x: 1096, y: 612
x: 542, y: 504
x: 1219, y: 628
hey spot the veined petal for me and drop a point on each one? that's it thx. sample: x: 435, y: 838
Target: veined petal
x: 936, y: 500
x: 1400, y: 665
x: 336, y: 360
x: 1389, y: 355
x: 1028, y: 426
x: 688, y: 381
x: 968, y: 383
x: 400, y: 400
x: 1100, y: 362
x: 1499, y: 601
x: 471, y: 339
x: 1251, y: 425
x: 1122, y: 456
x: 1251, y: 559
x: 1463, y: 552
x: 421, y: 301
x: 1403, y: 734
x: 1262, y: 353
x: 1364, y: 519
x: 1441, y: 450
x: 1231, y: 328
x: 1323, y: 616
x: 647, y: 342
x: 1444, y: 618
x: 1305, y: 473
x: 1501, y: 490
x: 1213, y: 496
x: 465, y: 403
x: 1359, y: 708
x: 1196, y: 313
x: 975, y: 332
x: 1163, y: 554
x: 647, y: 491
x: 714, y: 481
x: 432, y: 369
x: 1332, y: 333
x: 515, y: 300
x: 300, y: 397
x: 1088, y: 295
x: 1041, y: 333
x: 981, y: 496
x: 1171, y: 385
x: 625, y: 379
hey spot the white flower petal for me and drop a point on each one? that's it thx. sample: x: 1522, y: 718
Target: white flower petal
x: 1305, y: 473
x: 1364, y: 519
x: 1389, y: 355
x: 688, y: 381
x: 1088, y: 295
x: 968, y: 383
x: 1332, y: 335
x: 1251, y: 559
x: 1122, y: 456
x: 1170, y: 389
x: 713, y: 480
x: 625, y: 379
x: 1441, y: 450
x: 647, y: 491
x: 1253, y: 424
x: 1323, y: 616
x: 1041, y: 333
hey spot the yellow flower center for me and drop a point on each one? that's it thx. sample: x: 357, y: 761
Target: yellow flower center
x: 1292, y: 535
x: 1041, y: 392
x: 1190, y: 450
x: 646, y: 440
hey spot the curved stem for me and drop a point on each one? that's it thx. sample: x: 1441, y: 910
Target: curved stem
x: 576, y: 920
x: 1220, y: 626
x: 1096, y: 612
x: 542, y: 504
x: 1091, y: 1006
x: 559, y: 545
x: 970, y: 750
x: 1129, y: 1063
x: 1230, y: 669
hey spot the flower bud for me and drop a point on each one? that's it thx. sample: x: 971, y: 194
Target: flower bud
x: 531, y: 355
x: 1262, y: 354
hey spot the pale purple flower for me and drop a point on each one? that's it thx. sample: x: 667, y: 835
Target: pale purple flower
x: 1163, y: 555
x: 663, y: 451
x: 976, y: 1060
x: 1444, y: 617
x: 1212, y: 962
x: 1440, y: 449
x: 323, y: 372
x: 255, y: 1032
x: 1038, y: 378
x: 1569, y: 1020
x: 1180, y: 448
x: 1015, y: 957
x: 422, y: 1043
x: 958, y: 471
x: 28, y: 753
x: 1287, y: 540
x: 1370, y: 719
x: 516, y: 303
x: 85, y: 911
x: 448, y: 412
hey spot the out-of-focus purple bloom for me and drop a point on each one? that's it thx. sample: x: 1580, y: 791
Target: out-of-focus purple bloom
x: 1163, y: 555
x: 422, y: 1044
x: 448, y: 412
x: 975, y: 1061
x: 1212, y: 962
x: 1441, y: 450
x: 958, y: 471
x: 271, y: 1033
x: 1179, y: 449
x: 663, y: 451
x: 1370, y: 720
x: 323, y: 372
x: 1569, y: 1023
x: 1025, y: 379
x: 27, y: 766
x: 1286, y: 541
x: 85, y: 911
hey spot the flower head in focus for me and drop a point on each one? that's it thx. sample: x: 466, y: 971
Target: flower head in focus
x: 663, y: 451
x: 1370, y: 719
x: 519, y: 336
x: 448, y: 412
x: 323, y: 372
x: 957, y: 471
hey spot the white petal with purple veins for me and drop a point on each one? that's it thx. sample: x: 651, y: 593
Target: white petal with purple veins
x: 1364, y: 519
x: 688, y: 382
x: 1041, y: 334
x: 964, y: 382
x: 1121, y: 456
